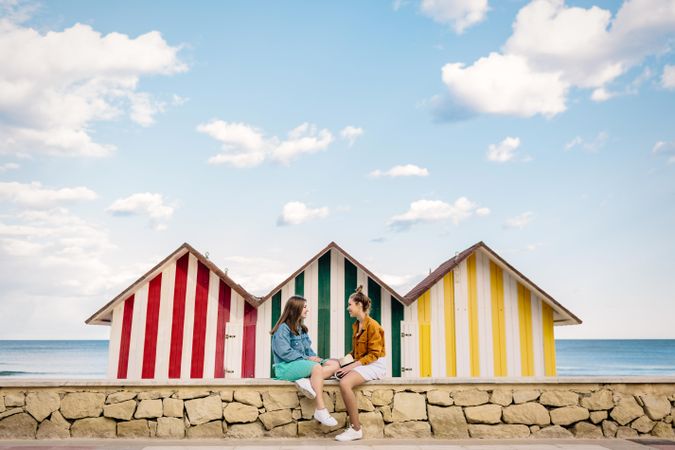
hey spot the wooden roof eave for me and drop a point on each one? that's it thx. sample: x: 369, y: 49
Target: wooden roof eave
x: 100, y: 316
x: 333, y: 245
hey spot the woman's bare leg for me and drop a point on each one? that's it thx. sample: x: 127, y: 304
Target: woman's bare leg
x: 347, y: 384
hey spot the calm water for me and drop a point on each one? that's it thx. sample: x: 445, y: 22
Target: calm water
x: 88, y: 359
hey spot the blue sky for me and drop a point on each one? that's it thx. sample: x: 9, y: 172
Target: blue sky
x: 405, y: 131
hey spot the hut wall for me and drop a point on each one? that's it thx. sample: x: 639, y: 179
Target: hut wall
x: 184, y: 323
x: 326, y: 283
x: 478, y: 321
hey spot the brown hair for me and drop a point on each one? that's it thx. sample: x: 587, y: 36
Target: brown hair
x: 359, y: 297
x: 292, y: 315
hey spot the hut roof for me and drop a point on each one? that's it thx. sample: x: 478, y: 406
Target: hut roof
x: 104, y: 315
x: 563, y: 315
x: 351, y: 259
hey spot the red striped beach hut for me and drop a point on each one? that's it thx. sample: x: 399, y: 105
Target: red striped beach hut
x: 185, y: 318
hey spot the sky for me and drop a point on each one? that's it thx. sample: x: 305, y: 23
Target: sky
x: 405, y: 131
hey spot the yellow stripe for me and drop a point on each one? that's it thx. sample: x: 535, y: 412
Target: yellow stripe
x: 549, y: 340
x: 525, y: 322
x: 449, y: 310
x: 473, y: 317
x: 498, y: 323
x: 423, y: 318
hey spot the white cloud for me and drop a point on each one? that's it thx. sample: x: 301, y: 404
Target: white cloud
x: 34, y: 195
x: 423, y: 211
x: 461, y: 14
x: 668, y: 77
x: 295, y: 213
x: 8, y: 166
x: 247, y: 146
x: 144, y: 204
x: 258, y: 275
x: 592, y: 145
x: 61, y: 82
x: 506, y: 84
x: 351, y: 134
x: 406, y: 170
x: 504, y: 151
x: 667, y: 149
x: 553, y: 48
x: 520, y: 221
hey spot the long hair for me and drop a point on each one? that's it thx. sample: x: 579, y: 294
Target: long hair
x: 292, y: 315
x: 359, y: 297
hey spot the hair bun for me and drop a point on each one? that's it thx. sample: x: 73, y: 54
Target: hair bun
x: 359, y: 289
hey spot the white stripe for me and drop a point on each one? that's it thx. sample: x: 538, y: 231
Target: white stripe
x: 386, y: 325
x: 537, y: 337
x: 263, y: 340
x: 462, y: 320
x: 236, y: 307
x: 312, y: 296
x: 137, y: 341
x: 287, y: 291
x: 436, y: 302
x: 512, y: 325
x: 164, y: 324
x: 340, y: 313
x: 188, y: 325
x: 115, y: 338
x: 362, y: 280
x: 335, y: 323
x: 486, y: 356
x: 211, y: 326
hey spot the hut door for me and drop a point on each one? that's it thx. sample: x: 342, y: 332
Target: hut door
x: 233, y: 338
x: 409, y: 350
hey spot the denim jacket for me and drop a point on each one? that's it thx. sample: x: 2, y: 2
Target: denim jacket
x: 287, y: 347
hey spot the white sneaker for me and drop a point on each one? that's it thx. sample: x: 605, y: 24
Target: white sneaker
x: 305, y: 387
x: 325, y: 418
x: 350, y: 434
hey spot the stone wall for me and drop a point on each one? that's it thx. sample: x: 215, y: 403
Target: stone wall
x: 426, y: 408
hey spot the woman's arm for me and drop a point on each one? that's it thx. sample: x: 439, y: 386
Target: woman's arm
x: 281, y: 345
x: 375, y: 345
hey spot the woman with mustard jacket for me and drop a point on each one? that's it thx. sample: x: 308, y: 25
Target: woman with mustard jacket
x: 369, y: 360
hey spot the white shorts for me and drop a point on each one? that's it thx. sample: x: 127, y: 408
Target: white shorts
x: 373, y: 371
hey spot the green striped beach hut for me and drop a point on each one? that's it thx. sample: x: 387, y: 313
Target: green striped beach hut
x: 326, y: 281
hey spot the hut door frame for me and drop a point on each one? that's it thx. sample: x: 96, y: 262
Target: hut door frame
x: 234, y: 332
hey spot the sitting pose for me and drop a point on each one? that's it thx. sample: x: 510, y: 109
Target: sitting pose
x: 294, y: 359
x: 369, y: 364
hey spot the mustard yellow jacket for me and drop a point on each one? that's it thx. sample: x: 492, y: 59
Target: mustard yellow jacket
x: 368, y: 345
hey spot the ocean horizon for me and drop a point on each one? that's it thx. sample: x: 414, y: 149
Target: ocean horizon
x: 59, y: 359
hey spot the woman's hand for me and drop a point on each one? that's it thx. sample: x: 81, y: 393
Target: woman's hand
x: 346, y: 369
x: 314, y: 358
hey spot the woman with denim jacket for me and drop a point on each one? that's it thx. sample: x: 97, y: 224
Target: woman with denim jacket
x: 294, y: 359
x: 369, y: 360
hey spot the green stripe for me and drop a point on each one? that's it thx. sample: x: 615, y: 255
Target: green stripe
x: 375, y: 295
x: 323, y: 346
x: 276, y: 313
x: 300, y: 284
x: 396, y: 318
x: 350, y: 287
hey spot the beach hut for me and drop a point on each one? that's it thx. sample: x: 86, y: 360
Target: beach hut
x: 474, y: 316
x: 326, y: 281
x: 185, y: 318
x: 477, y: 316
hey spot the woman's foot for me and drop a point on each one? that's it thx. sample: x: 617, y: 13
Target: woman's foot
x: 350, y: 434
x: 323, y: 416
x: 305, y: 387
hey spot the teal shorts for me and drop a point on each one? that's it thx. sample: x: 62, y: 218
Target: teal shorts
x: 294, y: 370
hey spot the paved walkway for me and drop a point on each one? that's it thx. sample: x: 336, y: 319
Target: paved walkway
x: 320, y: 444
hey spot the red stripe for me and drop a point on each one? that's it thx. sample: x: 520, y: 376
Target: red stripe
x: 199, y: 329
x: 125, y: 339
x: 248, y: 353
x: 224, y: 299
x: 151, y: 323
x: 177, y: 323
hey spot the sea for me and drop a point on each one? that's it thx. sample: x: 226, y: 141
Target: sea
x: 69, y: 359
